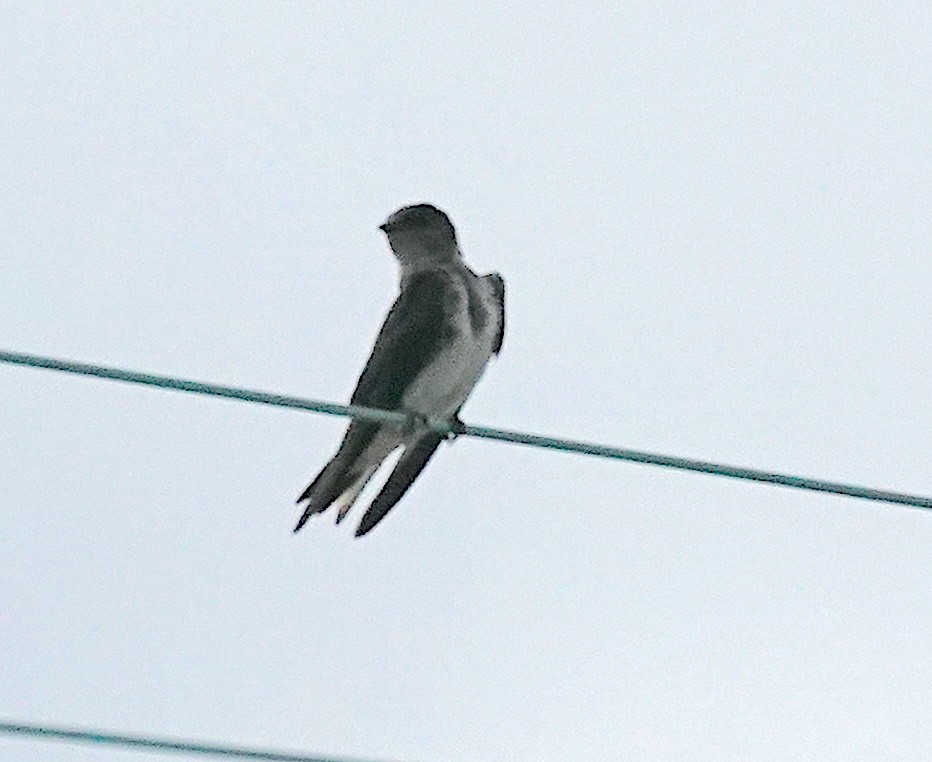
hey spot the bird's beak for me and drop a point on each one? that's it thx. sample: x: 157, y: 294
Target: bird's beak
x: 384, y: 227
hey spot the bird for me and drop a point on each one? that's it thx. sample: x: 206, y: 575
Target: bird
x: 433, y: 347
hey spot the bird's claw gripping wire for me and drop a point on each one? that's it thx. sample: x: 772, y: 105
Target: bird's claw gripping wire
x: 457, y: 429
x: 418, y: 421
x: 415, y: 422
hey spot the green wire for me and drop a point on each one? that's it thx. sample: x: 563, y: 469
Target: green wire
x: 503, y: 435
x: 157, y: 744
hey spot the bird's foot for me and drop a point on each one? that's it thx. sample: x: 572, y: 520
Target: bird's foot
x: 457, y: 428
x: 418, y: 422
x: 415, y: 422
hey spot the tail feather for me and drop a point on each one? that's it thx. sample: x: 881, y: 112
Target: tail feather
x: 331, y: 483
x: 309, y: 490
x: 407, y: 469
x: 345, y: 501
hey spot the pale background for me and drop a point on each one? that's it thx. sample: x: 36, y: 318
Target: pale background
x: 715, y: 228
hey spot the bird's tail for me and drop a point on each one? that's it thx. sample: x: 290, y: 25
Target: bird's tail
x: 332, y: 485
x: 409, y: 465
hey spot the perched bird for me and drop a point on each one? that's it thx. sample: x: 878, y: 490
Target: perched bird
x: 438, y: 337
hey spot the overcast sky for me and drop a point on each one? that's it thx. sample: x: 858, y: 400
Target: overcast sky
x: 715, y: 229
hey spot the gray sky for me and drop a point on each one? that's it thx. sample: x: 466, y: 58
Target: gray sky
x: 714, y: 225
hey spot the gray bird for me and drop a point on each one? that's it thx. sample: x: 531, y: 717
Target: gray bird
x: 438, y: 337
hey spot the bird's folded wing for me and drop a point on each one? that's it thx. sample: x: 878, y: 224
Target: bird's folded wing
x: 417, y: 326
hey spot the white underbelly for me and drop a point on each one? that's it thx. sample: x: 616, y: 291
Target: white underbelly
x: 442, y: 388
x: 447, y: 381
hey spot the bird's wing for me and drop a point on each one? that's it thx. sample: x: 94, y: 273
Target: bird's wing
x: 417, y: 326
x: 409, y: 466
x: 415, y: 329
x: 498, y: 289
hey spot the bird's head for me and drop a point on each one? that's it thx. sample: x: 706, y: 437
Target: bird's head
x: 420, y: 232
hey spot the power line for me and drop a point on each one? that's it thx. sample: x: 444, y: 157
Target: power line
x: 168, y: 745
x: 483, y: 432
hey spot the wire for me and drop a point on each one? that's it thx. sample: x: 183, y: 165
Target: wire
x: 483, y: 432
x: 158, y: 744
